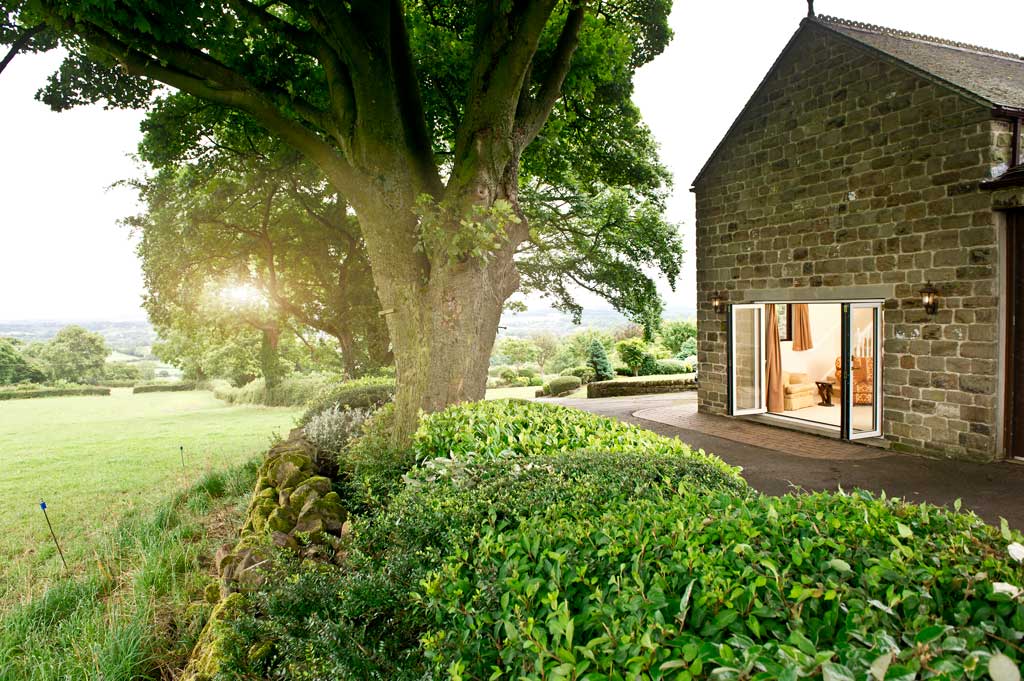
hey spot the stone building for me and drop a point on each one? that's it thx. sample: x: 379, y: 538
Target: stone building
x: 860, y: 214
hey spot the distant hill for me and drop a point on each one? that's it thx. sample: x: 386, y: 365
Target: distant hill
x: 547, y: 320
x: 132, y: 338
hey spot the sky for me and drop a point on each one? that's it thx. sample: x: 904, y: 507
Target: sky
x: 64, y: 255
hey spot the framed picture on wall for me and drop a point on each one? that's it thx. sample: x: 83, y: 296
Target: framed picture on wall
x: 783, y: 311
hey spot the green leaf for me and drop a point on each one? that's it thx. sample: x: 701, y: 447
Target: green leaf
x: 880, y: 666
x: 836, y: 672
x: 1004, y: 529
x: 904, y: 530
x: 929, y: 634
x: 840, y: 565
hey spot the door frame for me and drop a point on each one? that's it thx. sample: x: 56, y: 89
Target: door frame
x: 1012, y: 238
x: 731, y: 360
x: 846, y: 404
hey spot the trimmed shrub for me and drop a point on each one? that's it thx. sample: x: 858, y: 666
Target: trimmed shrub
x: 621, y: 370
x: 633, y: 353
x: 536, y: 381
x: 651, y: 387
x: 362, y: 393
x: 562, y: 385
x: 671, y: 366
x: 520, y: 382
x: 508, y: 374
x: 718, y: 586
x: 35, y: 391
x: 690, y: 364
x: 648, y: 365
x: 164, y: 388
x: 528, y: 371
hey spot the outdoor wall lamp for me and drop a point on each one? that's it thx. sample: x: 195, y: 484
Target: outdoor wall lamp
x: 717, y: 304
x: 930, y: 298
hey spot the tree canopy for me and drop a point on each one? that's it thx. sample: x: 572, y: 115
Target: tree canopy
x: 425, y: 116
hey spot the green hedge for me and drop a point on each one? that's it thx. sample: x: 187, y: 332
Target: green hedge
x: 163, y: 388
x: 14, y: 394
x: 525, y: 540
x: 562, y: 384
x: 725, y: 587
x: 653, y: 386
x: 293, y: 391
x: 362, y: 393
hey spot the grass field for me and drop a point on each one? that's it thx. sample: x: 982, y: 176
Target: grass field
x: 95, y: 458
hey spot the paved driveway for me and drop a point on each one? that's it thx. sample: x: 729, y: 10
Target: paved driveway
x: 990, y: 490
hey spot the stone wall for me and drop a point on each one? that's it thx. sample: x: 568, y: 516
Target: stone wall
x: 850, y: 177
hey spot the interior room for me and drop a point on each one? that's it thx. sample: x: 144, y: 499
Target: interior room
x: 810, y: 348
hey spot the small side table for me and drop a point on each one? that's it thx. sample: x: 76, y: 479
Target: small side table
x: 825, y: 391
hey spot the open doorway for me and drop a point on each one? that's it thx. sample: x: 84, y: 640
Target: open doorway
x: 787, y: 360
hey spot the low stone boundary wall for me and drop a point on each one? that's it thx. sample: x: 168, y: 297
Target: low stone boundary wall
x: 627, y: 388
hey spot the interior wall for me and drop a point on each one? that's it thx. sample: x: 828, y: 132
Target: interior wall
x: 819, y: 363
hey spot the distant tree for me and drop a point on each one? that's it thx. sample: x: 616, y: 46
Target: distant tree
x: 517, y: 351
x: 688, y: 348
x: 75, y: 355
x: 574, y: 349
x: 547, y: 346
x: 598, y: 361
x: 121, y: 371
x: 16, y: 367
x: 621, y: 333
x: 674, y: 334
x: 633, y: 353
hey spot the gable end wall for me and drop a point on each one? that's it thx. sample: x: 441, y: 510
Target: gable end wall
x: 850, y: 177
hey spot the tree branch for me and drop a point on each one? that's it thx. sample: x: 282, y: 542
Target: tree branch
x: 537, y: 110
x: 21, y: 43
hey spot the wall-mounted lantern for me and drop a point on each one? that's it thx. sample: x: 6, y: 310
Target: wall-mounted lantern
x: 717, y: 304
x: 930, y: 298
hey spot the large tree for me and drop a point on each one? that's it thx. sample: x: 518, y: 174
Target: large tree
x: 418, y: 113
x: 232, y: 208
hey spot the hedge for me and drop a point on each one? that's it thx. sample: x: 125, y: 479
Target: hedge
x: 651, y: 387
x: 52, y: 392
x: 561, y: 385
x: 361, y: 393
x: 534, y: 541
x: 163, y: 388
x: 292, y: 391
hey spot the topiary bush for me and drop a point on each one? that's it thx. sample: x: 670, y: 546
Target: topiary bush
x: 561, y: 385
x: 633, y: 353
x: 698, y: 585
x: 362, y: 393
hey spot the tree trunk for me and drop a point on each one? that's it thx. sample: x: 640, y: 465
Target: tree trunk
x: 270, y: 362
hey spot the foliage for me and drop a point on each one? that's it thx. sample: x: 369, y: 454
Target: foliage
x: 131, y: 609
x: 368, y: 392
x: 74, y: 355
x: 31, y: 390
x: 547, y: 346
x: 674, y: 334
x: 561, y: 385
x: 623, y: 388
x: 575, y: 348
x: 598, y: 362
x: 164, y: 387
x: 516, y: 351
x: 584, y: 373
x: 15, y: 367
x: 633, y: 353
x: 372, y: 466
x: 296, y: 390
x: 688, y: 348
x: 363, y: 621
x: 333, y: 428
x: 842, y: 586
x: 121, y: 371
x: 690, y: 364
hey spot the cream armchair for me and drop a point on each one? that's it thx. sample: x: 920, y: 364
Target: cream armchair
x: 799, y: 391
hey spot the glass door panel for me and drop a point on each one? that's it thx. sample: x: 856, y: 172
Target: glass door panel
x: 862, y: 397
x: 746, y: 359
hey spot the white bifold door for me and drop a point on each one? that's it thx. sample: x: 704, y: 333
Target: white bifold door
x: 746, y: 360
x: 859, y: 392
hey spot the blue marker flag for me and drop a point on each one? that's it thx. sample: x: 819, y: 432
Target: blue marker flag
x: 42, y: 504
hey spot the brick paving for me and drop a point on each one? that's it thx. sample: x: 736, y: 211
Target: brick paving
x: 685, y: 416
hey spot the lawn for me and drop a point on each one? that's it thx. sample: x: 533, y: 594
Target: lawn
x: 94, y: 458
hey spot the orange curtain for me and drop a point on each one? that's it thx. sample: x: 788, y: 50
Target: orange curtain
x: 801, y: 327
x: 773, y: 362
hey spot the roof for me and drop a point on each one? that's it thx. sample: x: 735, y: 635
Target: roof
x: 993, y: 77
